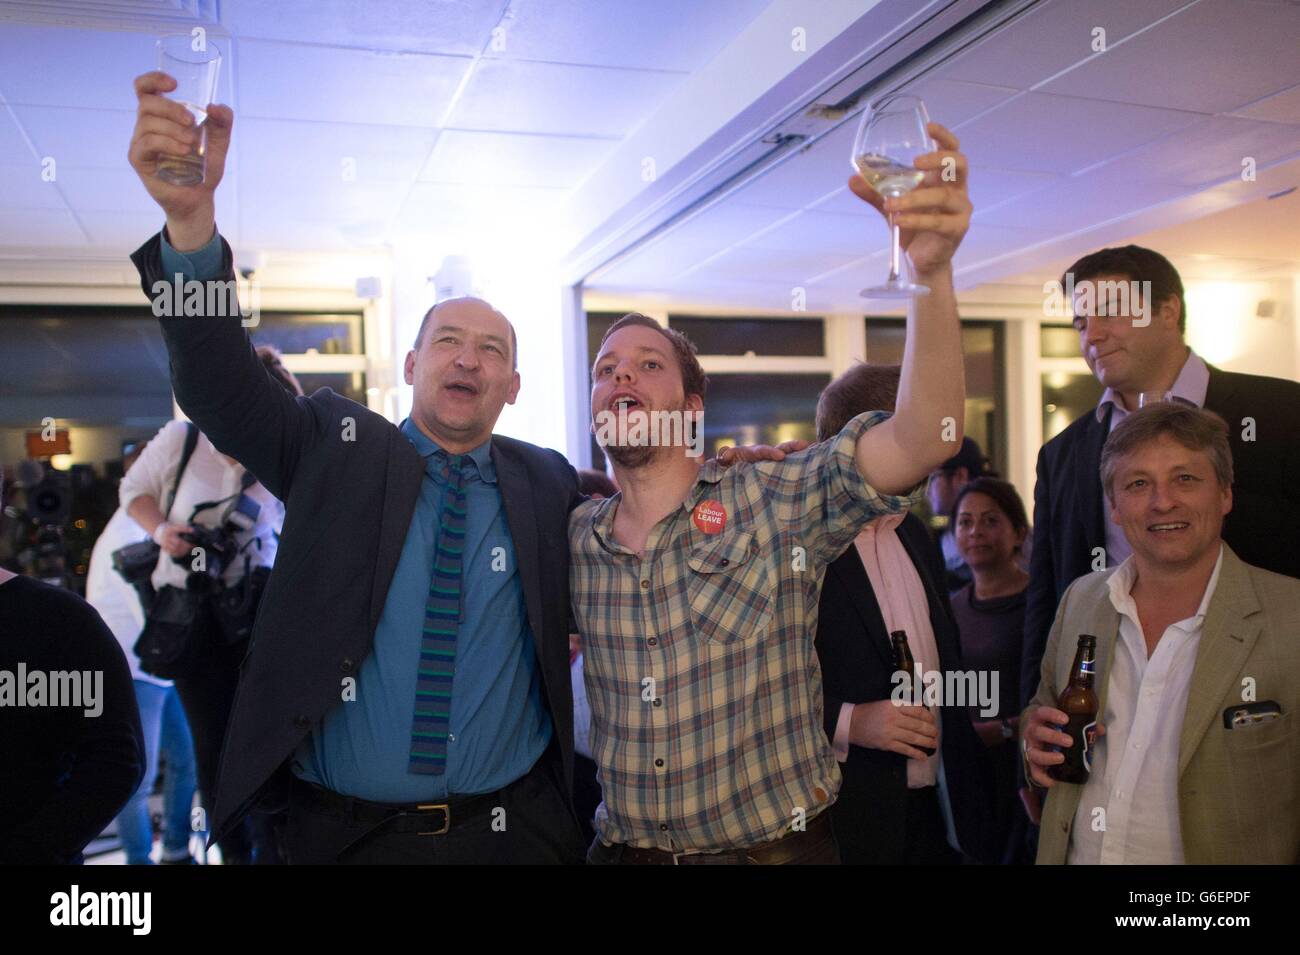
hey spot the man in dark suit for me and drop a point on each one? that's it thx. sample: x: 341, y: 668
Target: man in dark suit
x: 886, y: 813
x: 1131, y: 335
x: 407, y: 686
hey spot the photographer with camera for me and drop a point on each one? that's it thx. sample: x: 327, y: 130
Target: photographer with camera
x: 217, y: 529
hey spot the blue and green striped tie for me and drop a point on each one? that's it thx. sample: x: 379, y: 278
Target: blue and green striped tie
x: 441, y: 622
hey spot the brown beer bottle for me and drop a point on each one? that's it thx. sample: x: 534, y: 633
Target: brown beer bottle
x: 903, y: 661
x: 1078, y: 701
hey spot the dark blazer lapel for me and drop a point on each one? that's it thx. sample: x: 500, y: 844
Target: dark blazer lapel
x: 848, y: 568
x: 1219, y: 391
x: 521, y: 518
x: 1087, y: 480
x: 1227, y: 638
x: 401, y: 491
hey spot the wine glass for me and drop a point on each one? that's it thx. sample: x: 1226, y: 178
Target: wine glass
x: 892, y: 134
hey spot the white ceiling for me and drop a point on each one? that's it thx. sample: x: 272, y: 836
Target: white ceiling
x: 1069, y: 149
x: 438, y: 109
x: 455, y: 112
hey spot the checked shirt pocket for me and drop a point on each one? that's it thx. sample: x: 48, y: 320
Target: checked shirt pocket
x: 730, y: 592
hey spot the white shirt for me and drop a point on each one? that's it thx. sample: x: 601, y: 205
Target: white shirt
x: 1134, y: 777
x: 115, y: 599
x: 1190, y: 387
x: 208, y: 477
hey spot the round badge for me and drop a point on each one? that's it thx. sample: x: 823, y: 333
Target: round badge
x: 710, y: 517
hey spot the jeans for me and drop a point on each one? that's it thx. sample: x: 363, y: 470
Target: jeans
x: 165, y: 729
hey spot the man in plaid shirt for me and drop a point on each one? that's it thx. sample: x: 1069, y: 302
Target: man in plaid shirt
x: 695, y: 589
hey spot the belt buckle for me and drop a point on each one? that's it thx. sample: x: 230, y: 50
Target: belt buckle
x: 446, y: 817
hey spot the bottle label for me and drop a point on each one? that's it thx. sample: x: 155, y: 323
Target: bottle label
x: 1089, y: 744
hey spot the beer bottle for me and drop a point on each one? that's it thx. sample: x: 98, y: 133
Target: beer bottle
x: 1079, y: 702
x: 903, y: 662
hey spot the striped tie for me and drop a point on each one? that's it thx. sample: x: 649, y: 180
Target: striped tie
x: 441, y: 619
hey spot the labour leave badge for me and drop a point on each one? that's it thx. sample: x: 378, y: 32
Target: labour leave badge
x: 710, y: 517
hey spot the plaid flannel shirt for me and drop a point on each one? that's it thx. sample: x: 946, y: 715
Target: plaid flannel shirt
x: 702, y: 678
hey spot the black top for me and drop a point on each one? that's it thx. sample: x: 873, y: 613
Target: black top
x: 990, y: 635
x: 66, y: 774
x: 857, y: 663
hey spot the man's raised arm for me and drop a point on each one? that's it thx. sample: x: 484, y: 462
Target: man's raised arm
x: 929, y: 419
x: 188, y: 273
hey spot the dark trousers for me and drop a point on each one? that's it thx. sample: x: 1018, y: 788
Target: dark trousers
x: 536, y: 826
x: 926, y: 839
x: 208, y: 694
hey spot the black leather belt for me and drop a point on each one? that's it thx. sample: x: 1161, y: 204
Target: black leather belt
x: 777, y: 852
x: 422, y: 819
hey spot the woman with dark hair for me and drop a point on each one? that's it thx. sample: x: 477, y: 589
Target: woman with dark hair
x: 989, y: 527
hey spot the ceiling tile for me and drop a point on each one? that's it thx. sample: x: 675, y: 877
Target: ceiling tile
x: 514, y: 159
x: 1210, y: 152
x: 90, y: 138
x: 427, y: 26
x: 1283, y: 107
x: 120, y: 230
x: 990, y: 186
x: 675, y: 35
x: 329, y: 84
x: 1050, y: 38
x: 40, y: 227
x: 443, y: 207
x: 530, y: 97
x: 22, y: 187
x: 1228, y: 53
x: 951, y: 102
x: 775, y: 265
x: 1037, y: 132
x: 332, y: 153
x: 56, y: 66
x: 13, y: 147
x: 725, y: 224
x: 656, y: 264
x: 107, y: 190
x: 819, y: 232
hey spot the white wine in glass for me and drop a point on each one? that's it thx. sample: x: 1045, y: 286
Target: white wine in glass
x: 891, y: 135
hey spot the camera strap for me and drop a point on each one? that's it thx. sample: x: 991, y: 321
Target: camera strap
x: 245, y: 482
x: 191, y: 441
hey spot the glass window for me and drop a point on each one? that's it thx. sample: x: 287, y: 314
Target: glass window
x: 753, y: 336
x: 760, y: 409
x: 985, y: 360
x: 1058, y: 341
x: 101, y: 373
x: 1065, y: 397
x: 349, y: 384
x: 297, y: 333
